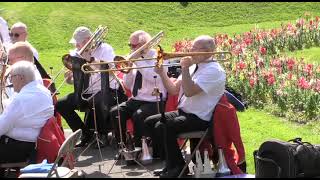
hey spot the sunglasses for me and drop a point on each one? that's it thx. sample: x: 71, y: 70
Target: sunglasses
x: 16, y: 35
x: 133, y: 45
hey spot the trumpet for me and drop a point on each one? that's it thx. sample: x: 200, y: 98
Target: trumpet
x: 123, y: 65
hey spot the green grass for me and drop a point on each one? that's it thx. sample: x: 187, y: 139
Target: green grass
x: 258, y: 126
x: 311, y: 55
x: 51, y: 25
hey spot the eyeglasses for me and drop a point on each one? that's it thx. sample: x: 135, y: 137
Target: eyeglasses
x: 11, y: 76
x: 133, y: 45
x: 16, y: 35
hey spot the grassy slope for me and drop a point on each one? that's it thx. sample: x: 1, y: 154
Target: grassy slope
x: 52, y: 24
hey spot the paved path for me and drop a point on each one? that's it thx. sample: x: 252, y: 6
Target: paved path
x: 94, y: 167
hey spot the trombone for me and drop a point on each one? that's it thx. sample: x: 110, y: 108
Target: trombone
x: 161, y: 56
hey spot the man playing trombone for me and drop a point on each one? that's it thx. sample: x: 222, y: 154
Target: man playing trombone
x: 67, y: 105
x: 200, y: 86
x: 142, y: 83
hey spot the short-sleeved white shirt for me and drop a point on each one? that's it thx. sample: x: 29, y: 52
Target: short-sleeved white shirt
x: 211, y: 78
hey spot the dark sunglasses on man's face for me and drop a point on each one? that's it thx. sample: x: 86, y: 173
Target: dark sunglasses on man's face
x: 16, y: 35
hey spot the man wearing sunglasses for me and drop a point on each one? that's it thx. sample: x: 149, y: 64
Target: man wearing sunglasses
x: 142, y: 83
x: 19, y: 33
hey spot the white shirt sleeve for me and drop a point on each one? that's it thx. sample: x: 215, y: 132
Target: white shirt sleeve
x: 9, y: 116
x: 211, y: 81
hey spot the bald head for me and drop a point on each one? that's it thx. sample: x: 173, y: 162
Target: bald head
x: 18, y: 32
x: 20, y: 51
x: 205, y: 43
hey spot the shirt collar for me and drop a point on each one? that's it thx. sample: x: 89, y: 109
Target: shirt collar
x: 30, y: 84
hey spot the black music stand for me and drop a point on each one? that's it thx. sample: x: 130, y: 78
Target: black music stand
x: 81, y: 82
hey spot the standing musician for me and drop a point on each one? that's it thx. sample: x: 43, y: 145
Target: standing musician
x: 67, y: 105
x: 21, y: 122
x: 200, y: 87
x: 141, y: 82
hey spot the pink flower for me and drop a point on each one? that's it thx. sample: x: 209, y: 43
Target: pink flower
x: 263, y: 50
x: 241, y: 65
x: 308, y: 69
x: 290, y: 64
x: 303, y: 83
x: 317, y: 85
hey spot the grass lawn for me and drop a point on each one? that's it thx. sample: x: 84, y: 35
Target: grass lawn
x: 51, y: 25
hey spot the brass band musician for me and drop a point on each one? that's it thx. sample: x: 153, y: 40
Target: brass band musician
x: 67, y: 105
x: 141, y: 82
x: 200, y: 86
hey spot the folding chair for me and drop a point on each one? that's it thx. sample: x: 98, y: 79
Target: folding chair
x: 193, y: 135
x: 65, y: 152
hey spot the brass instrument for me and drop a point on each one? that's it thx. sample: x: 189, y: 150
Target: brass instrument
x: 148, y: 45
x: 94, y: 42
x: 122, y: 65
x: 4, y: 73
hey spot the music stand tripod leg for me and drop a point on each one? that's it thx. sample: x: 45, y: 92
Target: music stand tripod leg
x: 97, y: 140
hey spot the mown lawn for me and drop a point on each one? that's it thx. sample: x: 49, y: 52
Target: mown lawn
x: 51, y: 25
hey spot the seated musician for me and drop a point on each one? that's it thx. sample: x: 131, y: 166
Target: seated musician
x: 200, y: 87
x: 17, y: 52
x: 67, y: 105
x: 21, y: 122
x: 19, y: 33
x: 141, y: 82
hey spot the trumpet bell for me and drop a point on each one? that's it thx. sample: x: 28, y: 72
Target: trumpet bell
x: 122, y: 63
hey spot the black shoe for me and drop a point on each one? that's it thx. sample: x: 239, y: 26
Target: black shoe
x: 131, y: 162
x: 83, y: 142
x: 159, y: 172
x: 174, y: 173
x: 103, y: 141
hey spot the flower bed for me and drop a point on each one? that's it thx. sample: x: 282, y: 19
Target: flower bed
x: 267, y: 78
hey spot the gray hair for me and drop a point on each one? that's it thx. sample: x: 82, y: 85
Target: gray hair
x: 142, y: 36
x: 24, y: 68
x: 19, y: 25
x: 207, y: 42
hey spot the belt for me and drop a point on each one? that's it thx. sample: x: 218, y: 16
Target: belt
x: 7, y: 140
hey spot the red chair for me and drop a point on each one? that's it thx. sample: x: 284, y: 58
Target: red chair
x: 49, y: 141
x: 46, y: 83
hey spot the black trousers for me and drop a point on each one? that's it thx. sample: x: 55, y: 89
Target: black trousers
x: 176, y: 122
x: 66, y: 106
x: 138, y: 111
x: 12, y: 151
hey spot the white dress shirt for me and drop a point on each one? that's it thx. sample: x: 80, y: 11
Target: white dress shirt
x: 148, y: 80
x: 211, y: 78
x: 27, y: 113
x: 4, y: 30
x: 103, y: 53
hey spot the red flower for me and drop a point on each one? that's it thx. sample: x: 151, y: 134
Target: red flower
x: 271, y: 79
x: 230, y: 41
x: 241, y: 65
x: 308, y: 69
x: 263, y: 50
x: 290, y: 64
x: 303, y: 83
x: 317, y: 85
